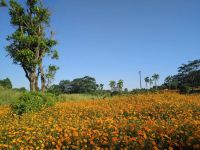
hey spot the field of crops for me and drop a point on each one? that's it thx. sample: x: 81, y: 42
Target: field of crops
x: 144, y: 121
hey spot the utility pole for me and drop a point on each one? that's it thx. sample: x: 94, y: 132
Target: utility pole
x: 140, y: 79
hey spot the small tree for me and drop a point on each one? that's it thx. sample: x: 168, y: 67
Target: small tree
x: 120, y: 84
x: 50, y: 75
x: 146, y: 81
x: 112, y: 85
x: 150, y: 82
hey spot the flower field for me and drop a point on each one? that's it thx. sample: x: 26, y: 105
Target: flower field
x: 143, y: 121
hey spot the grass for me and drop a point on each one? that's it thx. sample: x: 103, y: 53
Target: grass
x: 78, y: 97
x: 8, y: 96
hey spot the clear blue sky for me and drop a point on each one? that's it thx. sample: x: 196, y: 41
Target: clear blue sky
x: 114, y: 39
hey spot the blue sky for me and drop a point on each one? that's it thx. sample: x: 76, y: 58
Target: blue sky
x: 114, y: 39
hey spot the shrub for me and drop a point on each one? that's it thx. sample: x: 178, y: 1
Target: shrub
x: 32, y: 102
x: 185, y: 90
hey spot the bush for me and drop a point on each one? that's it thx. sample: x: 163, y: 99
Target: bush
x: 185, y: 90
x: 32, y: 102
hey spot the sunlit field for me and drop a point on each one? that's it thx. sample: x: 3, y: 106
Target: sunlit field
x: 150, y: 121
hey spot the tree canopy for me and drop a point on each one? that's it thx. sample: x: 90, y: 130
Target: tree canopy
x: 6, y: 83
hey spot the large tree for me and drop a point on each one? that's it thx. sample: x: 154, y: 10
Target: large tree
x: 86, y: 84
x: 29, y: 43
x: 189, y: 74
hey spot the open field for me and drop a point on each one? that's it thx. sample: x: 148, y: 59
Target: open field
x: 150, y: 121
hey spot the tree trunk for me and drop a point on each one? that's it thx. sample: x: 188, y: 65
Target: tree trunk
x: 43, y: 82
x: 36, y: 80
x: 32, y: 82
x: 36, y: 83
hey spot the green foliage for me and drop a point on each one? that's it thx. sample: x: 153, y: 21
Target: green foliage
x: 28, y: 44
x: 185, y: 89
x: 6, y: 83
x: 8, y: 96
x: 188, y: 78
x: 50, y: 75
x: 170, y: 83
x: 3, y: 3
x: 54, y: 89
x: 79, y: 97
x: 112, y: 85
x: 79, y: 85
x: 120, y: 85
x: 155, y: 78
x: 22, y: 89
x: 125, y: 90
x: 146, y: 81
x: 32, y: 102
x: 65, y: 86
x: 83, y: 85
x: 189, y: 74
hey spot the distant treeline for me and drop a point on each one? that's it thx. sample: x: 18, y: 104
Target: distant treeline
x: 187, y: 80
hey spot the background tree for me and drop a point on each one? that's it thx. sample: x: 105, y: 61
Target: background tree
x: 86, y: 84
x: 168, y: 81
x: 112, y: 85
x: 6, y: 83
x: 50, y: 75
x: 65, y: 86
x: 146, y: 81
x: 125, y: 90
x: 29, y: 43
x: 120, y: 85
x: 189, y: 74
x: 55, y: 89
x: 150, y: 82
x: 101, y: 86
x: 155, y: 78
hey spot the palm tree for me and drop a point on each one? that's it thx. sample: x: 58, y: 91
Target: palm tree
x: 120, y: 85
x: 112, y: 85
x: 150, y: 82
x: 146, y: 80
x: 155, y: 78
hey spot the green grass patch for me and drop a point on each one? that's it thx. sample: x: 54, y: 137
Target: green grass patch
x: 78, y: 97
x: 8, y: 96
